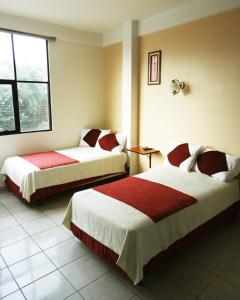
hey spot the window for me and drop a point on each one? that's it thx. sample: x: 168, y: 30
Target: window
x: 24, y: 84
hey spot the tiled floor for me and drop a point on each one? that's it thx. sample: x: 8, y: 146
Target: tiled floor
x: 40, y: 259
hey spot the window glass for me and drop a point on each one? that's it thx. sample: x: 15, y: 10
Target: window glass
x: 24, y: 84
x: 31, y: 58
x: 6, y: 56
x: 33, y: 106
x: 7, y: 122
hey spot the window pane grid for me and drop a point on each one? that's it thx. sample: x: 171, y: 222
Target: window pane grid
x: 6, y: 58
x: 29, y: 81
x: 30, y: 109
x: 7, y: 122
x: 33, y: 106
x: 31, y: 58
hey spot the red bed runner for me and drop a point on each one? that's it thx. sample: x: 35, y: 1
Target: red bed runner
x: 155, y: 200
x: 49, y: 159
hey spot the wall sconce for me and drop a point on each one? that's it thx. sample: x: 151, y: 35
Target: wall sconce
x: 176, y: 86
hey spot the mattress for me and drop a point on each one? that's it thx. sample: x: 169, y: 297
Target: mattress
x: 93, y: 162
x: 131, y: 234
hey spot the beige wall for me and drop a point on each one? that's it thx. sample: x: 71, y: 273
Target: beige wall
x: 76, y: 81
x: 76, y: 96
x: 112, y: 87
x: 205, y: 54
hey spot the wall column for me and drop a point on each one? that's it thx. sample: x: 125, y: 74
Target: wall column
x: 130, y: 88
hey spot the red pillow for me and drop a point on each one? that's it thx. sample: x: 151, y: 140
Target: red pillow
x: 89, y: 137
x: 218, y: 164
x: 108, y: 142
x: 111, y: 142
x: 211, y: 162
x: 183, y: 155
x: 179, y: 154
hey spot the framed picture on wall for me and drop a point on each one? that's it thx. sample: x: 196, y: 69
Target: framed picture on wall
x: 154, y: 67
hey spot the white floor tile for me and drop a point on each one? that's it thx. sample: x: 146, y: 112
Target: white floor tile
x: 57, y: 217
x: 68, y: 232
x: 38, y: 225
x: 2, y: 264
x: 162, y: 287
x: 7, y: 283
x: 50, y: 237
x: 75, y: 296
x: 135, y: 297
x: 31, y: 269
x: 181, y: 280
x: 57, y: 202
x: 8, y: 222
x: 83, y: 271
x: 15, y: 296
x: 108, y: 282
x: 3, y: 211
x: 66, y: 252
x: 3, y: 191
x: 28, y: 215
x: 220, y: 290
x: 53, y: 286
x: 20, y: 250
x: 192, y: 276
x: 8, y: 199
x: 232, y: 272
x: 12, y: 235
x: 211, y: 257
x: 16, y: 206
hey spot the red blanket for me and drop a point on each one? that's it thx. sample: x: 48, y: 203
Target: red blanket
x: 155, y: 200
x: 50, y: 159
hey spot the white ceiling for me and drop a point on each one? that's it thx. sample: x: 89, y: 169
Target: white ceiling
x: 92, y: 15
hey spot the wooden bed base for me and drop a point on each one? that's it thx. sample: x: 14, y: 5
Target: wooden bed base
x: 173, y: 250
x: 53, y: 190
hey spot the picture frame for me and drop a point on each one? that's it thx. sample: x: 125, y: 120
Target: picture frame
x: 154, y: 67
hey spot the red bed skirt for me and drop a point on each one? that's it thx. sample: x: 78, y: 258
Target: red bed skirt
x: 52, y: 190
x: 173, y: 250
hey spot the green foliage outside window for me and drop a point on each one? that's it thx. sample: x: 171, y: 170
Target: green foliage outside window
x: 24, y: 84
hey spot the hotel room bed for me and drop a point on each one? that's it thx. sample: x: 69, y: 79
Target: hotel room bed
x: 132, y: 236
x: 31, y: 183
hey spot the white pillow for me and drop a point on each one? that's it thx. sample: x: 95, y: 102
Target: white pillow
x: 183, y: 155
x: 113, y: 142
x: 220, y: 165
x: 89, y: 137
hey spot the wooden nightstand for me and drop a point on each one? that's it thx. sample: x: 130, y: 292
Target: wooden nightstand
x: 144, y: 151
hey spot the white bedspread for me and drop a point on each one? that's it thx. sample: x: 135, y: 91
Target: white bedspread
x: 93, y: 162
x: 133, y: 235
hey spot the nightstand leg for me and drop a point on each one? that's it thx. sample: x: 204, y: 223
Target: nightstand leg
x: 150, y: 160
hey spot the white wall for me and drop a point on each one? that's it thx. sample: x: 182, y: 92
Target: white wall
x: 184, y: 13
x: 76, y: 93
x: 49, y: 29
